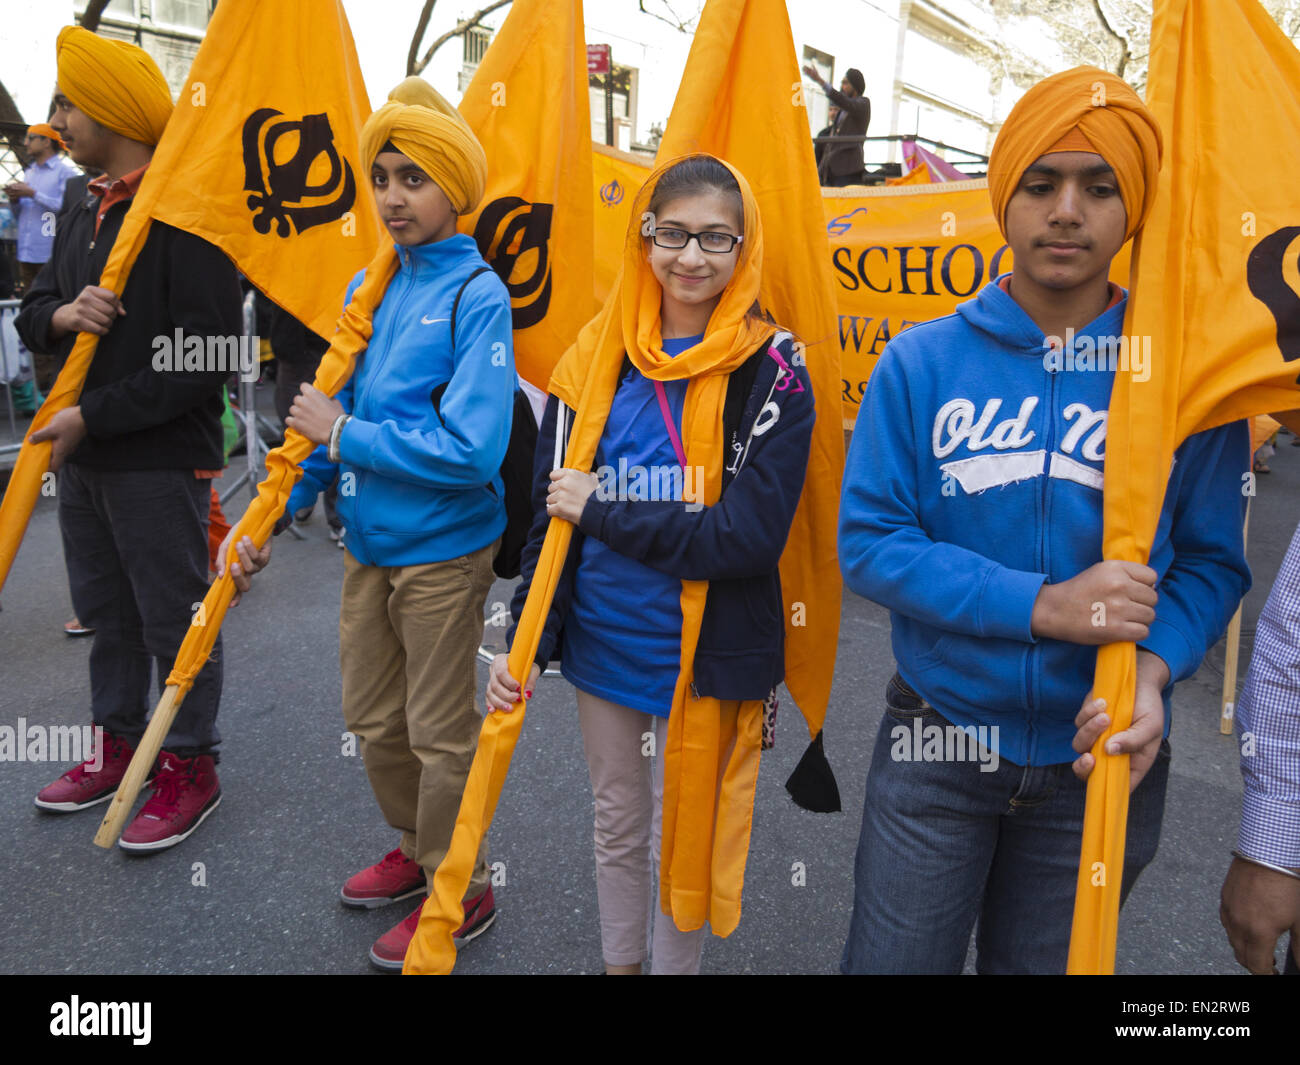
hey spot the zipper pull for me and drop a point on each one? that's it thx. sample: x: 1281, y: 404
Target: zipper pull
x: 694, y: 690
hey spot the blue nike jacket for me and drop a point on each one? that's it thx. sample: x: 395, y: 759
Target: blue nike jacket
x: 419, y: 483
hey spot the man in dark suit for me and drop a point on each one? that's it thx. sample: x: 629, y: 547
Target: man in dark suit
x: 842, y: 162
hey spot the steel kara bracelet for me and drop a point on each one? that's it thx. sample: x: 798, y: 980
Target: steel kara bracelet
x: 335, y: 431
x: 1268, y: 865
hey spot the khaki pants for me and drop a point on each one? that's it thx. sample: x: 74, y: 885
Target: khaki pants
x: 408, y: 641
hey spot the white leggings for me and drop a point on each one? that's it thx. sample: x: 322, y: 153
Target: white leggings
x: 629, y: 792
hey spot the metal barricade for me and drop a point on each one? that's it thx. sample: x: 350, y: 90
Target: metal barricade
x: 11, y: 365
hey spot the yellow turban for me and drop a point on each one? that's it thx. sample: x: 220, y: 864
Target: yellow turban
x: 1110, y: 119
x: 430, y: 132
x: 115, y: 83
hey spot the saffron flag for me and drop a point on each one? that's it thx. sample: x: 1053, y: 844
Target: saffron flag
x: 529, y: 107
x: 1215, y: 286
x: 259, y: 158
x: 265, y: 135
x: 528, y: 104
x: 741, y: 98
x: 616, y: 178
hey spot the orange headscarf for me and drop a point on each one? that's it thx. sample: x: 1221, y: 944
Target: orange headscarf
x: 43, y: 129
x: 708, y: 800
x: 1084, y: 109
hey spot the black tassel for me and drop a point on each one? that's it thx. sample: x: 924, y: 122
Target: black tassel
x: 812, y: 784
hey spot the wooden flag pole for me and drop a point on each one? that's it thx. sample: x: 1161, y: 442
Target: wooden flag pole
x: 141, y: 762
x: 1229, y: 703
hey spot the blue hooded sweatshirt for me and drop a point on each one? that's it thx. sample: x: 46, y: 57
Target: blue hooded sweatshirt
x: 975, y: 475
x: 419, y: 484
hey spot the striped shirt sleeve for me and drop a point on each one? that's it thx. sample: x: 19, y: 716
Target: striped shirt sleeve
x: 1268, y: 726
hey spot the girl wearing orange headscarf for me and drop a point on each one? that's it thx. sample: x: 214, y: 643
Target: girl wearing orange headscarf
x: 684, y: 422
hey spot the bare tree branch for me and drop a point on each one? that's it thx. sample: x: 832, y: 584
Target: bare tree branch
x: 680, y: 24
x: 1123, y: 41
x: 459, y: 30
x: 90, y: 17
x: 420, y: 27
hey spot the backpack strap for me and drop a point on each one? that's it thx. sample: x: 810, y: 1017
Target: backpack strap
x: 738, y: 391
x: 436, y: 395
x: 456, y: 303
x: 739, y: 386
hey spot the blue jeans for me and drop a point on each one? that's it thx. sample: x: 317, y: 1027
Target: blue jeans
x: 946, y: 846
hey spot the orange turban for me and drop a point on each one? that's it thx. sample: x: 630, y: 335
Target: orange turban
x: 1084, y: 109
x: 431, y: 133
x: 115, y: 83
x: 42, y: 129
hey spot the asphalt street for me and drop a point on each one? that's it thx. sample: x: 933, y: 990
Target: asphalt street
x: 255, y: 890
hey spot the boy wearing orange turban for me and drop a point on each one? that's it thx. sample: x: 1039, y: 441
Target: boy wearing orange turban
x: 972, y: 508
x: 132, y: 510
x: 418, y: 432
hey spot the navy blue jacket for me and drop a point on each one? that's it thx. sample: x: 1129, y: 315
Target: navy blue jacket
x: 735, y: 545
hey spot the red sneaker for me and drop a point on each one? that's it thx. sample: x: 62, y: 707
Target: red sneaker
x: 184, y: 793
x: 83, y: 786
x: 389, y: 951
x: 394, y: 878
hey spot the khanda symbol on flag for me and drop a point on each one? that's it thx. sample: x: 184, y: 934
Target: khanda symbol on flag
x: 282, y: 192
x: 514, y: 237
x: 1265, y: 275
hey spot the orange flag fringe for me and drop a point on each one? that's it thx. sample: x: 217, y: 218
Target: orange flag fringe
x: 1210, y: 288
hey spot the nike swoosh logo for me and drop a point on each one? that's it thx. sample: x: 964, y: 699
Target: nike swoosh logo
x: 426, y: 320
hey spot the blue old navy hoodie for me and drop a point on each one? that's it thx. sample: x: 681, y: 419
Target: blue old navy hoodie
x: 974, y: 475
x: 419, y: 484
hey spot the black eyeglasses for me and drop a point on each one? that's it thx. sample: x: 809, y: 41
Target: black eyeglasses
x: 711, y: 241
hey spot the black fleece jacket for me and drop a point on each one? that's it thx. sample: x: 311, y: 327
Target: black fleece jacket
x: 138, y: 417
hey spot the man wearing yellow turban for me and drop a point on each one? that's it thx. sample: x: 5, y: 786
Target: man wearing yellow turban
x: 138, y: 452
x: 972, y: 508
